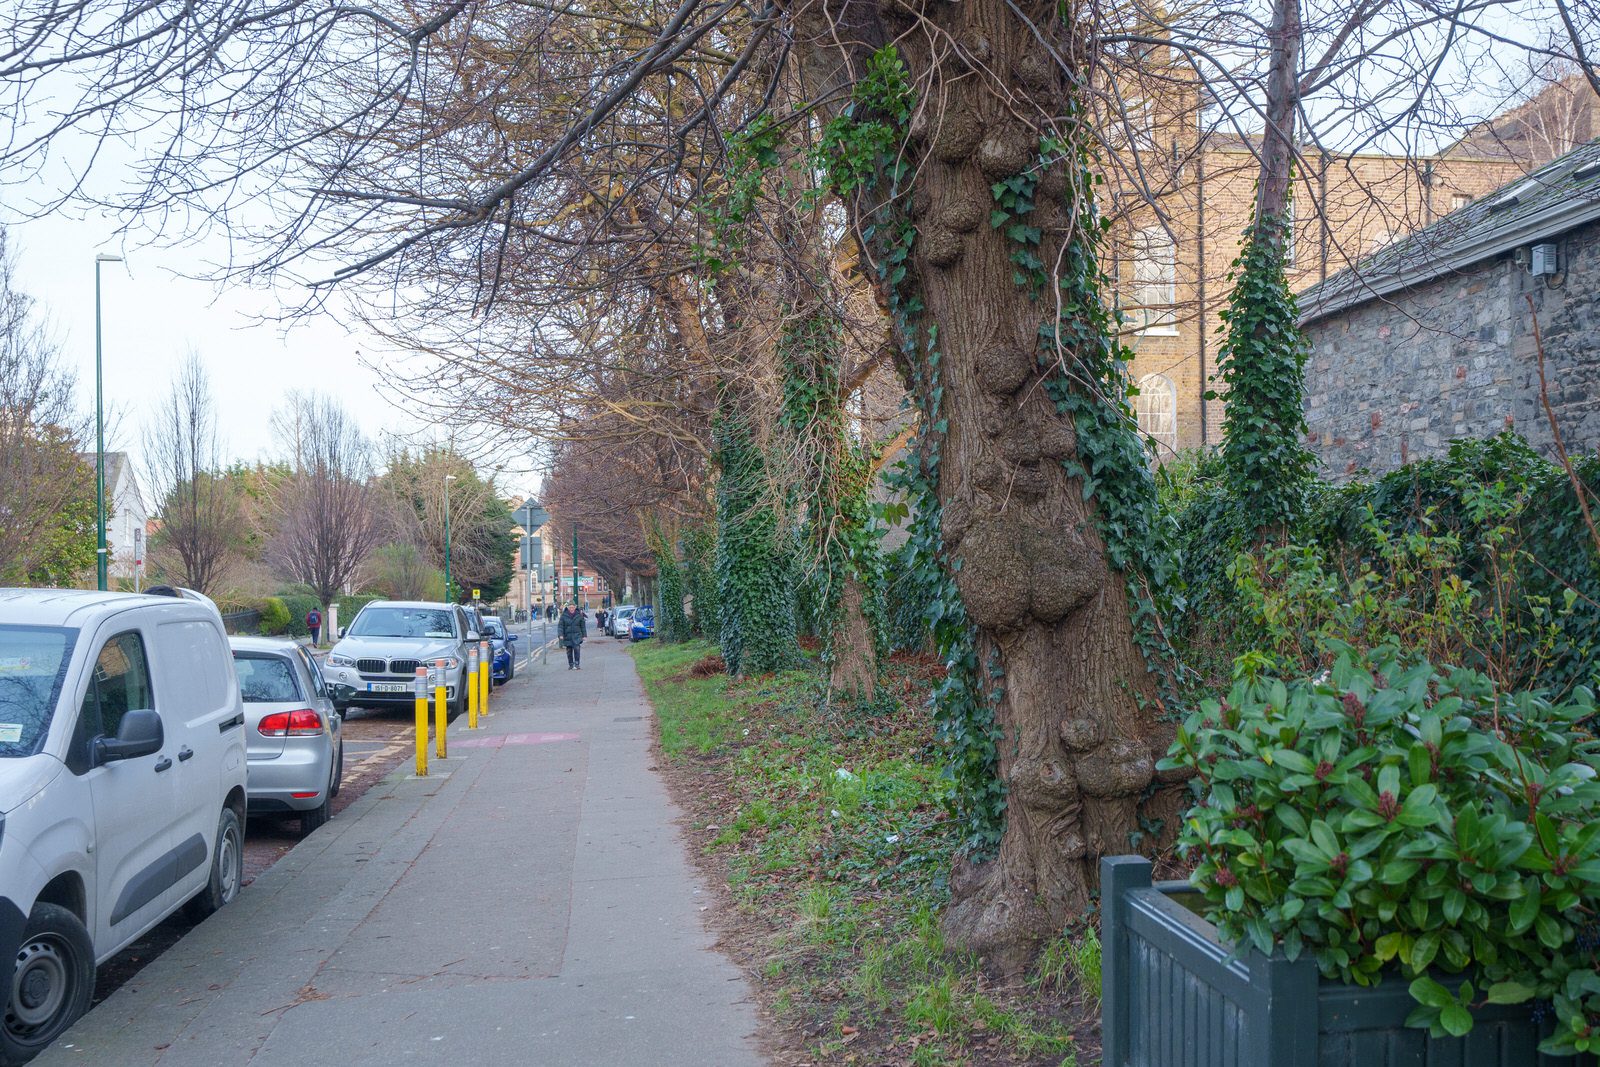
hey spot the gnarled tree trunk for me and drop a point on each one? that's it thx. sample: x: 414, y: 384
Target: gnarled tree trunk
x: 1078, y: 746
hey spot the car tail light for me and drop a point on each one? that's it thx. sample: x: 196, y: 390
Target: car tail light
x: 302, y: 723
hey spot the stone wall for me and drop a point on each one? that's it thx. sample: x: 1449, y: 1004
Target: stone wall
x: 1399, y: 377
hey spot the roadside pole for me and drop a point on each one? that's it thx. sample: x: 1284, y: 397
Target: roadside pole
x: 472, y: 687
x: 422, y: 722
x: 485, y: 682
x: 441, y: 714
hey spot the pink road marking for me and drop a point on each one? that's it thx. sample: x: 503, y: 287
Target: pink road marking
x: 501, y: 740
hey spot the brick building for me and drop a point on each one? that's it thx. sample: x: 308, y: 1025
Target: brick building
x: 1433, y: 338
x: 1180, y: 211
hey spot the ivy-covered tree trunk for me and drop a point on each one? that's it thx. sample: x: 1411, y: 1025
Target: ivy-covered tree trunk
x: 840, y: 540
x: 672, y: 623
x: 699, y: 547
x: 1054, y: 654
x: 1263, y: 356
x: 755, y: 590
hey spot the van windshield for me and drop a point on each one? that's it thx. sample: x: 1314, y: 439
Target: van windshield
x: 402, y: 622
x: 33, y: 663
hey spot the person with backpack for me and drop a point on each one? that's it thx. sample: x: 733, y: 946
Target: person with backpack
x: 314, y: 625
x: 574, y: 628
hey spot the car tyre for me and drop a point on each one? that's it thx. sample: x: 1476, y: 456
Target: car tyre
x: 313, y: 820
x: 227, y: 867
x: 51, y: 985
x: 338, y: 771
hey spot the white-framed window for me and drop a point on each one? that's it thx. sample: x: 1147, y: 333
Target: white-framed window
x: 1156, y: 408
x: 1155, y: 281
x: 1459, y: 201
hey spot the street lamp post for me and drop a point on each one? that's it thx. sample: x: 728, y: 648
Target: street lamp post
x: 448, y: 478
x: 102, y: 571
x: 574, y: 563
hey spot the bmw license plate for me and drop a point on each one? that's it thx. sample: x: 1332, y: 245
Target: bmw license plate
x: 388, y: 687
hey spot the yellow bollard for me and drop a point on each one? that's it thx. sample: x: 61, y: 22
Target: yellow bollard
x: 471, y: 680
x: 441, y: 713
x: 422, y: 722
x: 485, y: 682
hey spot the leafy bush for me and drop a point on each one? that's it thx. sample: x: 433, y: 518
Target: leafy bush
x: 1479, y: 558
x: 297, y: 604
x: 274, y: 616
x: 1395, y: 816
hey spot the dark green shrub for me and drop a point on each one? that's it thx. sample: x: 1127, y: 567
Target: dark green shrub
x: 297, y: 604
x: 1566, y: 582
x: 1395, y: 816
x: 905, y: 604
x: 1482, y: 550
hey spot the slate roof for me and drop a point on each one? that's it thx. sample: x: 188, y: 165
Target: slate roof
x: 1557, y: 197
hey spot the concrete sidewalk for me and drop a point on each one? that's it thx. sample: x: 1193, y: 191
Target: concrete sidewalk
x: 528, y: 903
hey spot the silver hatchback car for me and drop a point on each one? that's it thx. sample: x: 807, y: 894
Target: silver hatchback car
x: 294, y: 743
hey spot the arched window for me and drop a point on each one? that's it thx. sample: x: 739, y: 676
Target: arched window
x: 1156, y: 407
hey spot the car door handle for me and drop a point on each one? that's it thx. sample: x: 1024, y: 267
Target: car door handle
x: 185, y: 753
x: 162, y: 764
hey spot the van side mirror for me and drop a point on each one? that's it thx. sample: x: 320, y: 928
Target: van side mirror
x: 139, y: 734
x: 473, y: 635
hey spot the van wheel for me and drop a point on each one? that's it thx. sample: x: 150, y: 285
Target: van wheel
x: 227, y: 868
x: 51, y: 985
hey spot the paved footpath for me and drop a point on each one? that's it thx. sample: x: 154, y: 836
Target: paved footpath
x: 529, y: 903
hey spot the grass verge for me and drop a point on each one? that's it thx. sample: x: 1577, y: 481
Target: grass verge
x: 829, y: 829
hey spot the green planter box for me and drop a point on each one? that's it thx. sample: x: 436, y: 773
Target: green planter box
x: 1172, y: 995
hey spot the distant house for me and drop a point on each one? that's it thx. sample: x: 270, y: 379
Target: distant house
x: 1437, y: 336
x: 127, y: 519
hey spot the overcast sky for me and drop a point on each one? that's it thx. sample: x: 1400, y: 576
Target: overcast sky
x: 153, y: 316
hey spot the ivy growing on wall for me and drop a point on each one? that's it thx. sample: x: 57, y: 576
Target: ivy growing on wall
x: 755, y: 588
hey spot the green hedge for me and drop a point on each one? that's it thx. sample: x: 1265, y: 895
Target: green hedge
x: 297, y: 605
x: 1513, y: 515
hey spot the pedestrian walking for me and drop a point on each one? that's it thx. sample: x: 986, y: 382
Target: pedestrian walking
x: 600, y: 618
x: 314, y: 624
x: 574, y: 628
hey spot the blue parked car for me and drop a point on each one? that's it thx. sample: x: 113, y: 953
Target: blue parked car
x: 503, y: 658
x: 644, y: 624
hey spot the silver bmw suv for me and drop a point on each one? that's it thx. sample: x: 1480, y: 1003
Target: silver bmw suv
x: 376, y: 660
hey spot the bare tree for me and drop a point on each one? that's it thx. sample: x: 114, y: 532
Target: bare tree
x: 325, y: 515
x: 202, y: 524
x: 46, y: 490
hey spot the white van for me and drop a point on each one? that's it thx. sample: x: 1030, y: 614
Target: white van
x: 122, y: 788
